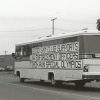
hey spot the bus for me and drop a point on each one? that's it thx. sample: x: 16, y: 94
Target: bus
x: 72, y: 57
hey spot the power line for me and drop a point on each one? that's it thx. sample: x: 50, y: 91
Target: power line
x: 38, y: 30
x: 26, y: 30
x: 62, y: 29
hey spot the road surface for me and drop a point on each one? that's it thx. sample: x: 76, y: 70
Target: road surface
x: 12, y: 89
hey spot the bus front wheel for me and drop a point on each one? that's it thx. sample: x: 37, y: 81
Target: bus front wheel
x: 22, y: 80
x: 53, y: 82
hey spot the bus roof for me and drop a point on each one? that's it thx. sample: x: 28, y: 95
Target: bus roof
x: 58, y: 36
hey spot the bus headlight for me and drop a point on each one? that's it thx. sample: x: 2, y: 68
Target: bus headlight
x: 86, y: 68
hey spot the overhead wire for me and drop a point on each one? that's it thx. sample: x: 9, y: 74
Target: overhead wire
x: 25, y: 30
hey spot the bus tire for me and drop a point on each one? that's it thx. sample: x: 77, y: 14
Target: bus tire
x: 22, y: 80
x: 58, y: 83
x: 42, y: 81
x: 53, y: 82
x: 80, y: 84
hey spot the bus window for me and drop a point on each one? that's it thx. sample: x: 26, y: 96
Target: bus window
x: 27, y: 50
x: 23, y: 51
x: 18, y: 51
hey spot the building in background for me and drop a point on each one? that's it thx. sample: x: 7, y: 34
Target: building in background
x: 6, y: 62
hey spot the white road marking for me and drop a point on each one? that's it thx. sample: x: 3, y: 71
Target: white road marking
x: 56, y: 92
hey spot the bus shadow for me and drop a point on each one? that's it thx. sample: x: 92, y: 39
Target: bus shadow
x: 63, y: 86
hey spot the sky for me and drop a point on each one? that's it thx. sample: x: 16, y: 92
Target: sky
x: 24, y: 20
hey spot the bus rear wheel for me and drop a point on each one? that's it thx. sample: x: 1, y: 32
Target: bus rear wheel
x: 42, y: 81
x: 22, y: 80
x: 59, y: 83
x: 80, y: 84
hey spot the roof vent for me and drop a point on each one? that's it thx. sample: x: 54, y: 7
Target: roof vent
x: 63, y: 33
x: 85, y: 29
x: 48, y: 35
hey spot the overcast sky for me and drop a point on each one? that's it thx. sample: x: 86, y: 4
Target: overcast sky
x: 24, y: 20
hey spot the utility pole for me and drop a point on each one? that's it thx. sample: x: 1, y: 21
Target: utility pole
x: 53, y: 19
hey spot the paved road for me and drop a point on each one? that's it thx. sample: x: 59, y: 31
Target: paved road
x: 11, y: 89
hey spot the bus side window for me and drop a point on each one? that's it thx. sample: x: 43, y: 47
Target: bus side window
x: 27, y: 51
x: 18, y: 51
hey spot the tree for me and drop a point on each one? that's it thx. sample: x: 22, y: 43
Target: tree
x: 98, y: 24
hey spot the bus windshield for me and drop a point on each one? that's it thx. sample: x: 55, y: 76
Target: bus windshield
x: 91, y: 45
x: 23, y: 51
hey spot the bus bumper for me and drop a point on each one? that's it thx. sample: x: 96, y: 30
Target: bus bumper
x: 92, y: 76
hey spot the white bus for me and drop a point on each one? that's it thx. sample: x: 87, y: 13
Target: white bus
x: 63, y: 58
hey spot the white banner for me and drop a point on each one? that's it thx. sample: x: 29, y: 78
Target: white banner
x: 57, y: 56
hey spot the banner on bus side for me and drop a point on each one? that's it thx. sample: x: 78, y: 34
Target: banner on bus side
x: 57, y: 56
x: 75, y: 64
